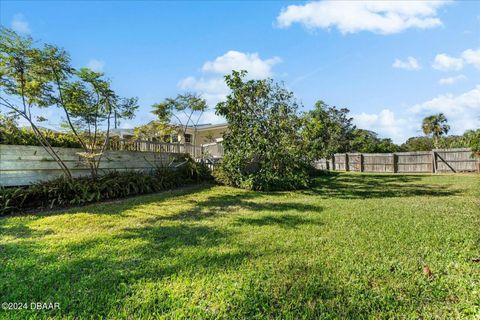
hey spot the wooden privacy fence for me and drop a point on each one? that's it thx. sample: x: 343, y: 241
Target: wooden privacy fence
x: 24, y: 165
x: 440, y: 160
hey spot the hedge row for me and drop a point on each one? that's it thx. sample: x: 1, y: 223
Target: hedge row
x: 63, y: 192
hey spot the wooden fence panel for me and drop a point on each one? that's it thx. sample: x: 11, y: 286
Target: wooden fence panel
x: 378, y: 162
x: 354, y: 162
x: 322, y: 164
x: 414, y: 162
x: 24, y: 165
x: 340, y: 161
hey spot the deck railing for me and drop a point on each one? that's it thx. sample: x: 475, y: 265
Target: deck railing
x: 214, y: 150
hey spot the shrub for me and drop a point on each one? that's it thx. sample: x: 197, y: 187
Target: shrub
x: 10, y: 133
x: 114, y: 185
x: 262, y: 146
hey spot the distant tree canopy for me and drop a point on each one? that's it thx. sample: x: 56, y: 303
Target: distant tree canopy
x: 326, y: 130
x: 424, y: 143
x: 472, y: 137
x: 421, y: 143
x: 155, y: 130
x: 10, y: 133
x: 263, y: 144
x: 367, y: 141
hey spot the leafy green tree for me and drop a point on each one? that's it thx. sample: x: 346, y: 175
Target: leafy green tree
x: 472, y: 139
x: 366, y: 141
x: 154, y: 130
x: 181, y: 112
x: 326, y: 130
x: 435, y: 125
x: 262, y: 148
x: 35, y: 78
x: 26, y: 83
x: 453, y: 141
x: 91, y: 106
x: 422, y: 143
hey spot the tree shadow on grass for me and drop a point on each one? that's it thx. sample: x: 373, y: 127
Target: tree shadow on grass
x: 94, y: 276
x: 363, y: 186
x: 116, y: 206
x: 98, y: 276
x: 218, y: 205
x: 87, y: 275
x: 21, y: 231
x: 283, y: 221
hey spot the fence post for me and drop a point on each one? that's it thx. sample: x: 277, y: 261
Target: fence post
x: 347, y: 165
x: 361, y: 162
x: 434, y: 162
x: 395, y: 163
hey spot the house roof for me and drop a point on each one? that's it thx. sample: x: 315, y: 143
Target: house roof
x: 121, y: 131
x: 208, y: 126
x: 41, y: 128
x: 200, y: 127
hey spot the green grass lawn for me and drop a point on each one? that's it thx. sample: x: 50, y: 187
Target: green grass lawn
x: 354, y: 246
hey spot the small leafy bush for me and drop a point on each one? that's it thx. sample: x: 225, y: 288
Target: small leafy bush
x: 64, y: 192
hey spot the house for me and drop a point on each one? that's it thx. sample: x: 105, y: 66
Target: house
x: 205, y: 134
x: 122, y: 133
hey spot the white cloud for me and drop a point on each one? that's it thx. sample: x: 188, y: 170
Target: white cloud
x: 96, y: 65
x: 212, y: 86
x: 209, y: 116
x: 462, y: 112
x: 235, y: 60
x: 384, y: 123
x: 452, y: 80
x: 383, y: 17
x: 126, y: 125
x: 213, y: 90
x: 450, y: 104
x: 20, y: 24
x: 472, y: 57
x: 444, y: 62
x: 410, y: 64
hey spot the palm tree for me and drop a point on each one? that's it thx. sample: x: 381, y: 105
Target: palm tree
x: 436, y: 125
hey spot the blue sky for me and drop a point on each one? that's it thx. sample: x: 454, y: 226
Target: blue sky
x: 390, y: 63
